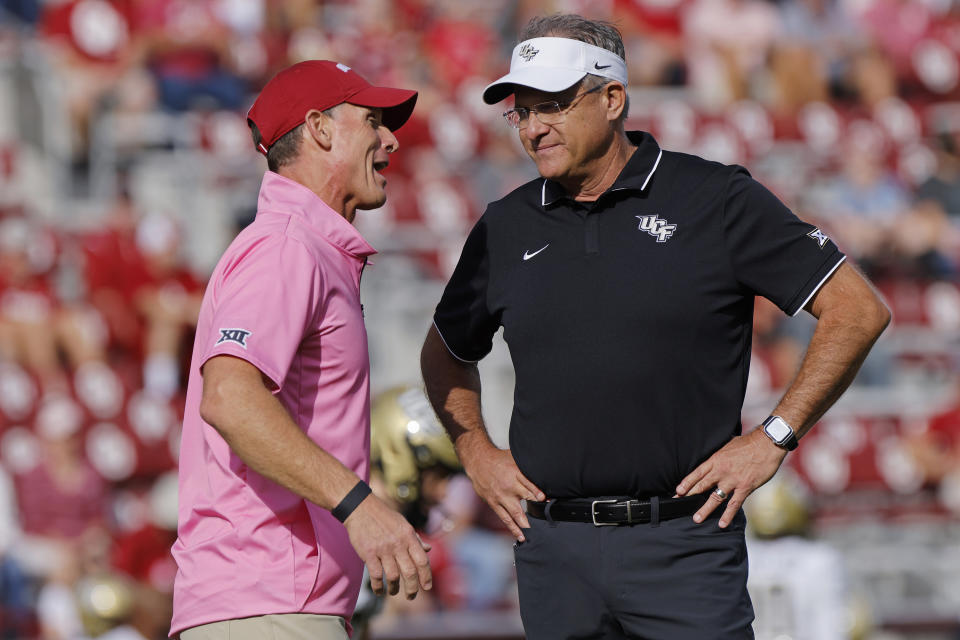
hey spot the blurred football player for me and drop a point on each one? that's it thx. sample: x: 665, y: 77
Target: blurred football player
x: 798, y: 585
x: 105, y: 603
x: 410, y: 453
x: 412, y: 461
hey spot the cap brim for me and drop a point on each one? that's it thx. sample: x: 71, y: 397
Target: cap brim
x: 539, y: 78
x: 397, y: 104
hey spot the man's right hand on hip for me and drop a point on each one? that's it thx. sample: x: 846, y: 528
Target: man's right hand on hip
x: 497, y: 479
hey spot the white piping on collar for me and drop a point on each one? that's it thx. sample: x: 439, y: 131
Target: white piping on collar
x: 656, y: 163
x: 650, y: 175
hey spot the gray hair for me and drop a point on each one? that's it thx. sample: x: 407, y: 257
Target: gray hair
x: 286, y: 148
x: 567, y: 25
x: 596, y: 32
x: 282, y: 152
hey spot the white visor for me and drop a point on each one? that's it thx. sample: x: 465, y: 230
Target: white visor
x: 553, y: 65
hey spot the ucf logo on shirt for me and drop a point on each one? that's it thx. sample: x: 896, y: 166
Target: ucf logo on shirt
x: 657, y: 227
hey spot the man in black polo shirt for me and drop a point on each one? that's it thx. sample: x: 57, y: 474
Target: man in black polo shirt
x: 624, y: 280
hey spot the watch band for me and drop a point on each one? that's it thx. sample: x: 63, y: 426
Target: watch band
x: 351, y: 501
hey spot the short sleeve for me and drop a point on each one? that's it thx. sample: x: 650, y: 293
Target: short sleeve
x: 463, y: 317
x: 264, y: 302
x: 774, y: 253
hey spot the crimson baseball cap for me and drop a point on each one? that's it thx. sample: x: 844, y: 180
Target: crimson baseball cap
x: 321, y: 84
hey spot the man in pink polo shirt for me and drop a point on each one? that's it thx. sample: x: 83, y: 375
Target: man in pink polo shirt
x: 276, y: 519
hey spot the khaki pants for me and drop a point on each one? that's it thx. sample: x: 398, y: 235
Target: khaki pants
x: 283, y: 626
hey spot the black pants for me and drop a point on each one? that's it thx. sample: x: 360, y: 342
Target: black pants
x: 674, y: 581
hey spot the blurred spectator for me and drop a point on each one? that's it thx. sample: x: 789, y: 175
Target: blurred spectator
x: 826, y: 30
x: 94, y: 48
x: 39, y: 329
x: 872, y: 77
x: 936, y: 448
x: 144, y: 553
x: 865, y: 202
x: 62, y: 498
x: 457, y: 47
x: 168, y: 299
x: 186, y: 46
x: 875, y: 217
x: 798, y: 76
x: 28, y: 307
x: 897, y: 27
x: 147, y: 298
x: 812, y: 60
x: 923, y: 242
x: 16, y: 612
x: 727, y: 42
x: 653, y: 39
x: 943, y: 187
x: 111, y: 264
x: 260, y: 50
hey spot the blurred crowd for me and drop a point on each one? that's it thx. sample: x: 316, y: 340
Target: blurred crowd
x: 847, y: 109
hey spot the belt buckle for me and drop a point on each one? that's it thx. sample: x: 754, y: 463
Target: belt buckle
x: 593, y: 513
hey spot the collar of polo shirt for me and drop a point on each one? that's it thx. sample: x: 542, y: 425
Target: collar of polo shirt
x: 553, y: 65
x: 636, y: 175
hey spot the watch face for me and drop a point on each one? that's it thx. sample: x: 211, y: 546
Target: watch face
x: 778, y: 430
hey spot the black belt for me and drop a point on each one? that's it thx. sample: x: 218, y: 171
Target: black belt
x: 614, y: 511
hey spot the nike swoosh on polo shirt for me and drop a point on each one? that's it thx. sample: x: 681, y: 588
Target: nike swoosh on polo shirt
x: 527, y: 255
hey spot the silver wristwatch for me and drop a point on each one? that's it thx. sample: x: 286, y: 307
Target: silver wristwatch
x: 780, y: 432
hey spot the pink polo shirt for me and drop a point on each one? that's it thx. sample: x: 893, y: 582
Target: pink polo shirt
x: 286, y: 298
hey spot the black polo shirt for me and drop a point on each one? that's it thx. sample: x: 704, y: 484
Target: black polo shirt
x: 629, y: 319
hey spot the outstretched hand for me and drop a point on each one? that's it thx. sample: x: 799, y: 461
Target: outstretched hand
x: 737, y: 469
x: 393, y: 552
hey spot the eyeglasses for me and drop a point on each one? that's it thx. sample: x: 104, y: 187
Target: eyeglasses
x: 549, y: 113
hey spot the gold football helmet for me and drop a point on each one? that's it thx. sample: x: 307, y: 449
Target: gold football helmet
x: 104, y: 601
x: 778, y: 508
x: 406, y: 438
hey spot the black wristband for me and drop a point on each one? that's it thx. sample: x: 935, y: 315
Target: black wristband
x: 351, y: 501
